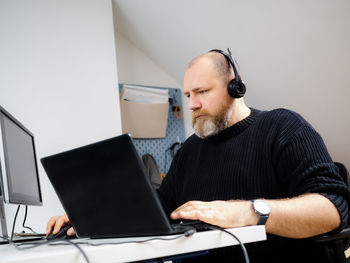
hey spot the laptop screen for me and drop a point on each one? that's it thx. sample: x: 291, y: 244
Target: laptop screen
x: 105, y: 191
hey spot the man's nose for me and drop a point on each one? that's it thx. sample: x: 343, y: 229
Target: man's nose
x: 194, y: 103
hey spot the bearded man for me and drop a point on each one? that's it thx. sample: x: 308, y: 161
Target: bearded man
x: 240, y: 158
x: 245, y: 167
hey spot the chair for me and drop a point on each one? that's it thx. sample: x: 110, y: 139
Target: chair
x: 338, y: 245
x: 152, y: 170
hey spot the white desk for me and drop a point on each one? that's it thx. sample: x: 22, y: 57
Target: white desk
x: 131, y: 251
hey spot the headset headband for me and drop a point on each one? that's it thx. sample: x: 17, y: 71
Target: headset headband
x: 230, y: 60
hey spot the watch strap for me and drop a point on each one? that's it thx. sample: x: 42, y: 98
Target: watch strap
x: 262, y: 216
x: 262, y: 220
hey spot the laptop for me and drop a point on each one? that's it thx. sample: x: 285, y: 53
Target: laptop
x: 105, y: 191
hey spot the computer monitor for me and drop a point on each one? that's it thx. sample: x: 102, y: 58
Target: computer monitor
x: 19, y: 178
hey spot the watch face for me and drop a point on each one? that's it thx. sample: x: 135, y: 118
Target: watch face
x: 261, y: 207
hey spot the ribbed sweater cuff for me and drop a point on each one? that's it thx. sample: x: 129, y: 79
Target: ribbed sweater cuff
x: 342, y: 206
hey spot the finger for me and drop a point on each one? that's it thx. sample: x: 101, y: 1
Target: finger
x: 189, y: 205
x: 179, y: 212
x: 61, y: 221
x: 71, y: 231
x: 184, y: 215
x: 176, y: 214
x: 188, y: 212
x: 51, y: 224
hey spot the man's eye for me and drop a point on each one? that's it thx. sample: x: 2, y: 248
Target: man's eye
x: 202, y: 91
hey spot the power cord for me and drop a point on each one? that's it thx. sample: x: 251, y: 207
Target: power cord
x: 54, y: 242
x: 44, y: 242
x: 24, y: 220
x: 186, y: 234
x: 244, y: 250
x: 172, y: 150
x: 14, y: 222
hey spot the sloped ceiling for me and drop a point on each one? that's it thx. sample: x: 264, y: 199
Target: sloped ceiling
x: 292, y: 54
x: 172, y: 32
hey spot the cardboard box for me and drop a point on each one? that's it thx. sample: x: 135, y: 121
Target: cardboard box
x: 143, y: 120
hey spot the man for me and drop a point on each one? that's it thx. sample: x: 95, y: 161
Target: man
x: 239, y: 154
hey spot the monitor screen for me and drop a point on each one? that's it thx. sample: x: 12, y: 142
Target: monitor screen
x: 19, y: 171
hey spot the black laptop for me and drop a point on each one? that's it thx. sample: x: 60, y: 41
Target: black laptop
x: 105, y: 191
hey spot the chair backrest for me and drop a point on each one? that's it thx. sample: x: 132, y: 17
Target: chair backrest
x: 338, y: 244
x: 343, y: 172
x: 152, y: 170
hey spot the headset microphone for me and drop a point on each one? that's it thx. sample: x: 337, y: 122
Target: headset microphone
x: 236, y: 87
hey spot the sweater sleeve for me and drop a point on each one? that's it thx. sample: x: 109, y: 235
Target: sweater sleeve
x: 305, y: 166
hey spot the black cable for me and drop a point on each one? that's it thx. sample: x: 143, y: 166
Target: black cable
x: 76, y: 244
x: 244, y: 250
x: 172, y: 153
x: 14, y: 222
x: 56, y: 242
x: 166, y: 162
x: 48, y: 242
x: 24, y: 220
x: 186, y: 234
x: 79, y: 248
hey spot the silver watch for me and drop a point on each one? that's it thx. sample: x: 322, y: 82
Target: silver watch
x: 262, y: 209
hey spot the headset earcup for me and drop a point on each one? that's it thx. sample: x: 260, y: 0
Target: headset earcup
x: 236, y: 89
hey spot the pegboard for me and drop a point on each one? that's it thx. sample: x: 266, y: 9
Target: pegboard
x: 175, y: 131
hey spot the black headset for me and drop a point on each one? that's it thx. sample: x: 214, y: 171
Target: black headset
x: 236, y: 87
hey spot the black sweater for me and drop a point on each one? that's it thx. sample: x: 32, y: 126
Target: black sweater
x: 270, y: 154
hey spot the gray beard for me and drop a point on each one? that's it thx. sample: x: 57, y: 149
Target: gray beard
x: 213, y: 125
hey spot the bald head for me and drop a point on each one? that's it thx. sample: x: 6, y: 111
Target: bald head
x: 222, y: 68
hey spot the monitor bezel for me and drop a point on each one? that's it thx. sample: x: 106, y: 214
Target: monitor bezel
x: 7, y: 191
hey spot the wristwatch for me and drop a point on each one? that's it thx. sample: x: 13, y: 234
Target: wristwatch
x: 262, y: 209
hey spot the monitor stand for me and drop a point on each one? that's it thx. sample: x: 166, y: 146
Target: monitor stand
x: 3, y: 226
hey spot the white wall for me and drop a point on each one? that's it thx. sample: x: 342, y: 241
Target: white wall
x: 293, y: 54
x: 135, y: 67
x: 296, y: 55
x: 59, y: 78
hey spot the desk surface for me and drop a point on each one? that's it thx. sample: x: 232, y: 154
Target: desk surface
x: 130, y: 251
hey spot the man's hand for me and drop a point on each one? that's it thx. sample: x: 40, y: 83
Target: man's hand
x: 225, y: 214
x: 298, y: 217
x: 56, y: 222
